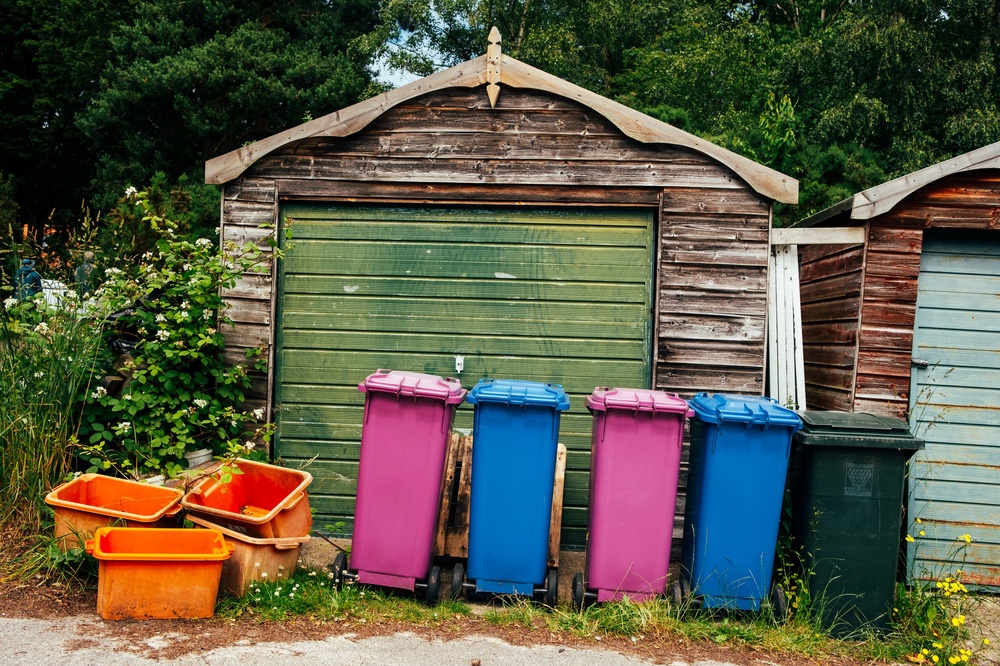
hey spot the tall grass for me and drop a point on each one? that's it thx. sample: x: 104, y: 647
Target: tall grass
x: 47, y: 358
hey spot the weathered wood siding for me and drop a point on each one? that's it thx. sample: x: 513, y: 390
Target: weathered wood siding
x: 830, y: 281
x: 249, y: 211
x: 885, y: 338
x: 713, y: 292
x: 969, y: 200
x: 536, y: 148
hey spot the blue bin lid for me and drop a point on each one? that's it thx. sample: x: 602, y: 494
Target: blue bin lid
x: 749, y: 409
x: 414, y: 384
x: 637, y: 400
x: 519, y: 392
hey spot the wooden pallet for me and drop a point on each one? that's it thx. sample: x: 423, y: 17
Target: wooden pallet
x: 452, y: 538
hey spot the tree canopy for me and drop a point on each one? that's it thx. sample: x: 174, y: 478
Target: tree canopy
x: 96, y: 95
x: 841, y: 94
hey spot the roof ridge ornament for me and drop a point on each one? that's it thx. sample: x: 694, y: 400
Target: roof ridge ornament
x: 493, y: 66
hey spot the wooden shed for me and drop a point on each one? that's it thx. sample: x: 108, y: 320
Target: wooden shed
x: 907, y: 324
x: 492, y: 220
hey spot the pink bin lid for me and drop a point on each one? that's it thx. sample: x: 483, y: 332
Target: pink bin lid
x: 637, y: 400
x: 414, y: 384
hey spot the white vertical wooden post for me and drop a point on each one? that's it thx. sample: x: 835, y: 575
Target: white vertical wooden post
x: 786, y: 366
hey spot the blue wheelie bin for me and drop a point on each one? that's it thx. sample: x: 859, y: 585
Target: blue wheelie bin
x: 736, y: 481
x: 515, y: 438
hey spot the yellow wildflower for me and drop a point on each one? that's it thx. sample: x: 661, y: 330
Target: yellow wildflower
x: 922, y: 533
x: 910, y: 539
x: 919, y: 521
x: 986, y: 641
x: 966, y: 538
x: 953, y: 660
x: 934, y: 658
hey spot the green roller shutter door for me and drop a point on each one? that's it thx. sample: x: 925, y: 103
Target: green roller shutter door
x: 560, y: 296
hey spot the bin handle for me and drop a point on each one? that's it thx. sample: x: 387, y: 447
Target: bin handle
x: 173, y: 511
x: 88, y: 546
x: 294, y: 502
x: 287, y: 544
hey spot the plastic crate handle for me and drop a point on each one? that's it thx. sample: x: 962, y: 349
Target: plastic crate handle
x: 294, y: 502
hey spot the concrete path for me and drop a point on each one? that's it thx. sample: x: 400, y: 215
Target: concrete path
x: 29, y: 642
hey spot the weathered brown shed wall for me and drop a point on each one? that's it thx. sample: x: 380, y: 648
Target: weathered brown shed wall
x: 830, y: 282
x: 859, y: 303
x: 885, y: 340
x: 712, y: 292
x: 538, y: 148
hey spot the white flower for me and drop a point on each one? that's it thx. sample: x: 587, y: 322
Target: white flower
x: 70, y: 294
x: 160, y: 318
x: 203, y: 242
x: 212, y: 331
x: 148, y: 255
x: 249, y: 446
x: 42, y: 327
x: 99, y: 392
x: 163, y: 335
x: 112, y: 271
x: 9, y: 302
x: 130, y: 192
x: 123, y: 427
x: 258, y: 413
x: 185, y: 306
x: 186, y: 267
x: 207, y: 314
x: 263, y: 574
x: 39, y: 374
x: 200, y: 403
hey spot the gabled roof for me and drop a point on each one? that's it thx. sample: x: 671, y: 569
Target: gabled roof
x: 882, y: 198
x: 495, y: 68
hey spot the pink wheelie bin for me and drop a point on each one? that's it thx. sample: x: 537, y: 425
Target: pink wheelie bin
x: 404, y: 447
x: 635, y: 461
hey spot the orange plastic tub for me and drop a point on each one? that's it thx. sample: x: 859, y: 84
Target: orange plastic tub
x: 264, y: 502
x: 148, y: 573
x: 255, y: 559
x: 95, y: 500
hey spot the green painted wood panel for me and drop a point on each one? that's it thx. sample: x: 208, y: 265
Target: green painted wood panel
x: 560, y: 296
x: 955, y: 406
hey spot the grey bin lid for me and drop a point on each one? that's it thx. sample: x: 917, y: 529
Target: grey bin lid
x: 856, y: 429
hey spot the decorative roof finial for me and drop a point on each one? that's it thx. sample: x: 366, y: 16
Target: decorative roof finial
x: 493, y: 66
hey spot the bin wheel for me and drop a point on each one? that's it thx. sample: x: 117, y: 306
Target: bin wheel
x: 579, y: 593
x: 552, y: 588
x: 337, y: 569
x: 457, y: 582
x: 680, y: 592
x: 433, y: 588
x: 779, y: 604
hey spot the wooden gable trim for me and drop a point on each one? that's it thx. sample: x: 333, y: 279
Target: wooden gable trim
x: 516, y: 74
x: 880, y: 199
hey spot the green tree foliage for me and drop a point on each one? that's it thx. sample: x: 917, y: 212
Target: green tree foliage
x: 99, y: 94
x: 841, y: 94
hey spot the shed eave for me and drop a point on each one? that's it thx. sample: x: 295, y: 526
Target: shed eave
x: 516, y: 74
x: 835, y: 211
x: 882, y: 198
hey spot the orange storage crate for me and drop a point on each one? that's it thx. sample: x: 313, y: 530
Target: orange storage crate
x: 255, y: 559
x: 91, y: 501
x: 148, y: 573
x: 264, y: 502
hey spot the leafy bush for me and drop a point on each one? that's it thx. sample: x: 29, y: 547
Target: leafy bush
x: 178, y: 395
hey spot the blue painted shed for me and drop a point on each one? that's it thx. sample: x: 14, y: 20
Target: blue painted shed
x: 907, y: 324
